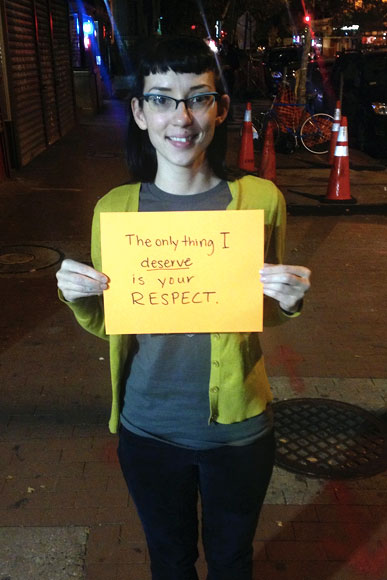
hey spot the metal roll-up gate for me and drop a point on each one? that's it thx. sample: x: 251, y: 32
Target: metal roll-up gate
x: 4, y: 161
x: 62, y: 62
x: 40, y: 76
x: 26, y: 98
x: 47, y: 71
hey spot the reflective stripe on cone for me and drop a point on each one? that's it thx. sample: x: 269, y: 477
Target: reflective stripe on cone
x: 335, y: 130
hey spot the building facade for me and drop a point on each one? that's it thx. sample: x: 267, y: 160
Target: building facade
x: 37, y: 105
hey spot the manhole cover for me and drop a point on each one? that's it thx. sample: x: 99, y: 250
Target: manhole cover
x: 15, y: 258
x: 329, y: 439
x: 27, y: 258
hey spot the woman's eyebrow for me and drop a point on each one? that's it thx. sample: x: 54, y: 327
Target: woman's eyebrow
x: 159, y: 89
x: 166, y: 89
x: 197, y: 87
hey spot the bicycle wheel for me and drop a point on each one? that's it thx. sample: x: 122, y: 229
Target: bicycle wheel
x: 315, y: 133
x: 260, y: 123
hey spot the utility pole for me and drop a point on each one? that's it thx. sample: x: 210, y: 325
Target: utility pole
x: 301, y: 85
x: 141, y: 22
x: 155, y: 15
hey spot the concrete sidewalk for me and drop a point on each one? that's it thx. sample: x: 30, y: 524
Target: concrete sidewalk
x: 62, y: 496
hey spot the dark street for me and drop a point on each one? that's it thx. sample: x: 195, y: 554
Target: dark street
x: 59, y: 470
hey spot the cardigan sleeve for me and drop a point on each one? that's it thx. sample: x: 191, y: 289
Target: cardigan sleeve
x: 88, y: 313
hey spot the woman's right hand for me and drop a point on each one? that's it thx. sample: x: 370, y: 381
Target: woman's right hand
x: 77, y: 280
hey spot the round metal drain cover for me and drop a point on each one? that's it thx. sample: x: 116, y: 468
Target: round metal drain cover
x: 22, y: 258
x: 329, y: 439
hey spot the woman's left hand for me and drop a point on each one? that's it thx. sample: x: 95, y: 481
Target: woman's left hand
x: 286, y: 284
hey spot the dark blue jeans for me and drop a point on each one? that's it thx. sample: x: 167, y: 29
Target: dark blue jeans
x: 164, y: 481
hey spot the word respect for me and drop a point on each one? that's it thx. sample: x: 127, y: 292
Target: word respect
x: 166, y: 298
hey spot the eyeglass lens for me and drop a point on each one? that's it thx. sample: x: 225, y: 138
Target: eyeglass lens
x: 164, y: 103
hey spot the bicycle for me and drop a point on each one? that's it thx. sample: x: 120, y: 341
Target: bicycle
x: 312, y: 129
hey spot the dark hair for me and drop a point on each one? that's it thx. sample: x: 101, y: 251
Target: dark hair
x: 182, y: 54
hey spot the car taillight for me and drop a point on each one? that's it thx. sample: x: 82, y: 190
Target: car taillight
x: 380, y: 108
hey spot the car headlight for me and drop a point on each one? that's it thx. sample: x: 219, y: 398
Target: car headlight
x: 380, y: 108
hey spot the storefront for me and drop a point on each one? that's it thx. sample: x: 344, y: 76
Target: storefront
x: 91, y: 42
x: 36, y: 87
x: 374, y: 38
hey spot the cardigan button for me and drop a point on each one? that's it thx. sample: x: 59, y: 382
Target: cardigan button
x: 214, y: 389
x: 216, y: 363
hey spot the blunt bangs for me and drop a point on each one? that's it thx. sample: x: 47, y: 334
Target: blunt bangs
x: 179, y: 54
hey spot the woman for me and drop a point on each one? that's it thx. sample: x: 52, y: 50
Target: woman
x: 178, y: 433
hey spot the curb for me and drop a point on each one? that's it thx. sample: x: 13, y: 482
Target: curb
x: 342, y: 209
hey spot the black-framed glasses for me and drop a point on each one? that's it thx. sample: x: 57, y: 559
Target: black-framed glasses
x: 165, y: 104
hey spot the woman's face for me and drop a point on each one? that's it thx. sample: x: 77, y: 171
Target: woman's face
x: 180, y: 136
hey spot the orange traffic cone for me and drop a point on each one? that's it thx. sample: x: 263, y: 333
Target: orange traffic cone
x: 335, y: 132
x: 339, y: 184
x: 246, y: 152
x: 268, y: 155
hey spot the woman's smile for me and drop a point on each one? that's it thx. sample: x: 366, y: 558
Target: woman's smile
x: 181, y: 142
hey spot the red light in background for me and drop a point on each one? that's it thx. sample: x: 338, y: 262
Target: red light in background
x: 193, y: 26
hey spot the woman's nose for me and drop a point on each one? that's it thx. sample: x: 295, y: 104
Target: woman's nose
x: 182, y: 115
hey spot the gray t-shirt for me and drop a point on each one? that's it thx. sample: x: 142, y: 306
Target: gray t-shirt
x: 166, y: 395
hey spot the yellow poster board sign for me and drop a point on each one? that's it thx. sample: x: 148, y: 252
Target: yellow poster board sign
x: 183, y: 272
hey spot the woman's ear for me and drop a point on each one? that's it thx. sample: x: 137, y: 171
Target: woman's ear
x: 223, y: 108
x: 138, y: 114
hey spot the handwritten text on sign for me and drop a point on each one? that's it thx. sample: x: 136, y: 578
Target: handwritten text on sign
x: 176, y: 272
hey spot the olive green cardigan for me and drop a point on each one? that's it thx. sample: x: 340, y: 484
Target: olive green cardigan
x: 238, y: 387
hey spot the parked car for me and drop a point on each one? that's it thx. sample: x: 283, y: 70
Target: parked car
x: 361, y: 77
